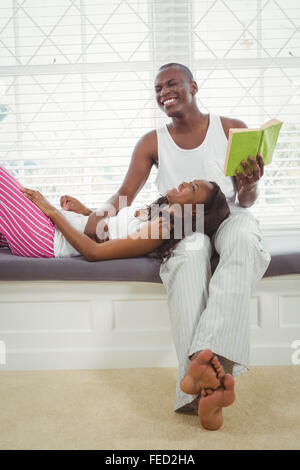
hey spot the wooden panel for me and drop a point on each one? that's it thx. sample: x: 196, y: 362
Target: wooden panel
x: 24, y: 316
x: 56, y: 325
x: 145, y: 314
x: 289, y: 311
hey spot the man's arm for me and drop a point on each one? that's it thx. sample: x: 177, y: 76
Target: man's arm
x: 248, y: 195
x: 139, y: 169
x: 247, y: 191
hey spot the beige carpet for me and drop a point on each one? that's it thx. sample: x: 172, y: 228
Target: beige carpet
x: 133, y: 409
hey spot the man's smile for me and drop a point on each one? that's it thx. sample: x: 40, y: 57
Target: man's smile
x: 168, y: 101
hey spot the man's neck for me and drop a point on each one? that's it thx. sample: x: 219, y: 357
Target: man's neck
x: 190, y: 121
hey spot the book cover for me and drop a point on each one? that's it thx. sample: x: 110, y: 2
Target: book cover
x: 244, y: 143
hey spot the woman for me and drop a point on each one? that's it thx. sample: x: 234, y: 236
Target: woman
x: 33, y: 227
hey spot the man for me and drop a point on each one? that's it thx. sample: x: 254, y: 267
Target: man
x: 209, y: 314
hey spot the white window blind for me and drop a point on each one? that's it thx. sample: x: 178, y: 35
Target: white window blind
x: 77, y: 79
x: 246, y: 59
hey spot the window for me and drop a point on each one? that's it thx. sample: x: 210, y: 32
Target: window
x: 76, y: 76
x: 77, y: 81
x: 246, y: 64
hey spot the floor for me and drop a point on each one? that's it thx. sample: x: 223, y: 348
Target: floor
x: 133, y: 409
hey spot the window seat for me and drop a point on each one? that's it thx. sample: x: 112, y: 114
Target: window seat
x: 284, y: 250
x: 55, y: 314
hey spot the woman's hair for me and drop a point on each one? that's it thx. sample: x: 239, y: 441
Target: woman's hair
x: 216, y: 210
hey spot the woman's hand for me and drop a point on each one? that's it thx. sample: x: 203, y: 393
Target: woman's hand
x: 39, y: 200
x: 69, y: 203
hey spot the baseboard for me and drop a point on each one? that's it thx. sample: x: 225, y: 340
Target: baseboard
x: 93, y: 325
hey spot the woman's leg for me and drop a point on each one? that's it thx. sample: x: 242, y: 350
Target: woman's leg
x: 26, y: 229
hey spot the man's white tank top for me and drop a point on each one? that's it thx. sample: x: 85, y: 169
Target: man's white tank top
x: 176, y: 164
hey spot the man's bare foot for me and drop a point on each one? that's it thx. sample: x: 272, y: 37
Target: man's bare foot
x: 204, y: 371
x: 212, y: 401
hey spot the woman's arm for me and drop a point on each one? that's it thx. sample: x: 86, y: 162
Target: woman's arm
x: 78, y: 240
x: 110, y: 208
x: 69, y: 203
x: 81, y: 242
x: 139, y: 243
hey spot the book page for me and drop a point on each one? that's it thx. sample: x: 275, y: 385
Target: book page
x: 269, y: 141
x: 270, y: 123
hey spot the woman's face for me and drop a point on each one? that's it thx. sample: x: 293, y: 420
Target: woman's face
x: 195, y: 192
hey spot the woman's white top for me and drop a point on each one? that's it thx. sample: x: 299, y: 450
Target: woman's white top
x: 124, y: 223
x: 119, y: 226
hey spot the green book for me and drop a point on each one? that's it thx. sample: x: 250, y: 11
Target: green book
x: 244, y: 143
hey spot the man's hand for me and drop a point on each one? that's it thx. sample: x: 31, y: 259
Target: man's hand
x: 247, y: 183
x: 69, y: 203
x: 252, y: 175
x: 40, y: 201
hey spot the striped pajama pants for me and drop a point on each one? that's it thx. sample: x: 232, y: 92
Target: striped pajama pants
x: 212, y: 311
x: 24, y: 228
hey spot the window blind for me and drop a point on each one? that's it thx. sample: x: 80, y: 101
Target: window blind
x: 77, y: 78
x: 77, y: 81
x: 246, y: 61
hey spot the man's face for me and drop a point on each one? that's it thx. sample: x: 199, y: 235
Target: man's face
x: 174, y: 91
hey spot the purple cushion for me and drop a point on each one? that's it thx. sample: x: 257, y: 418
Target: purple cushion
x: 77, y: 268
x: 285, y: 252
